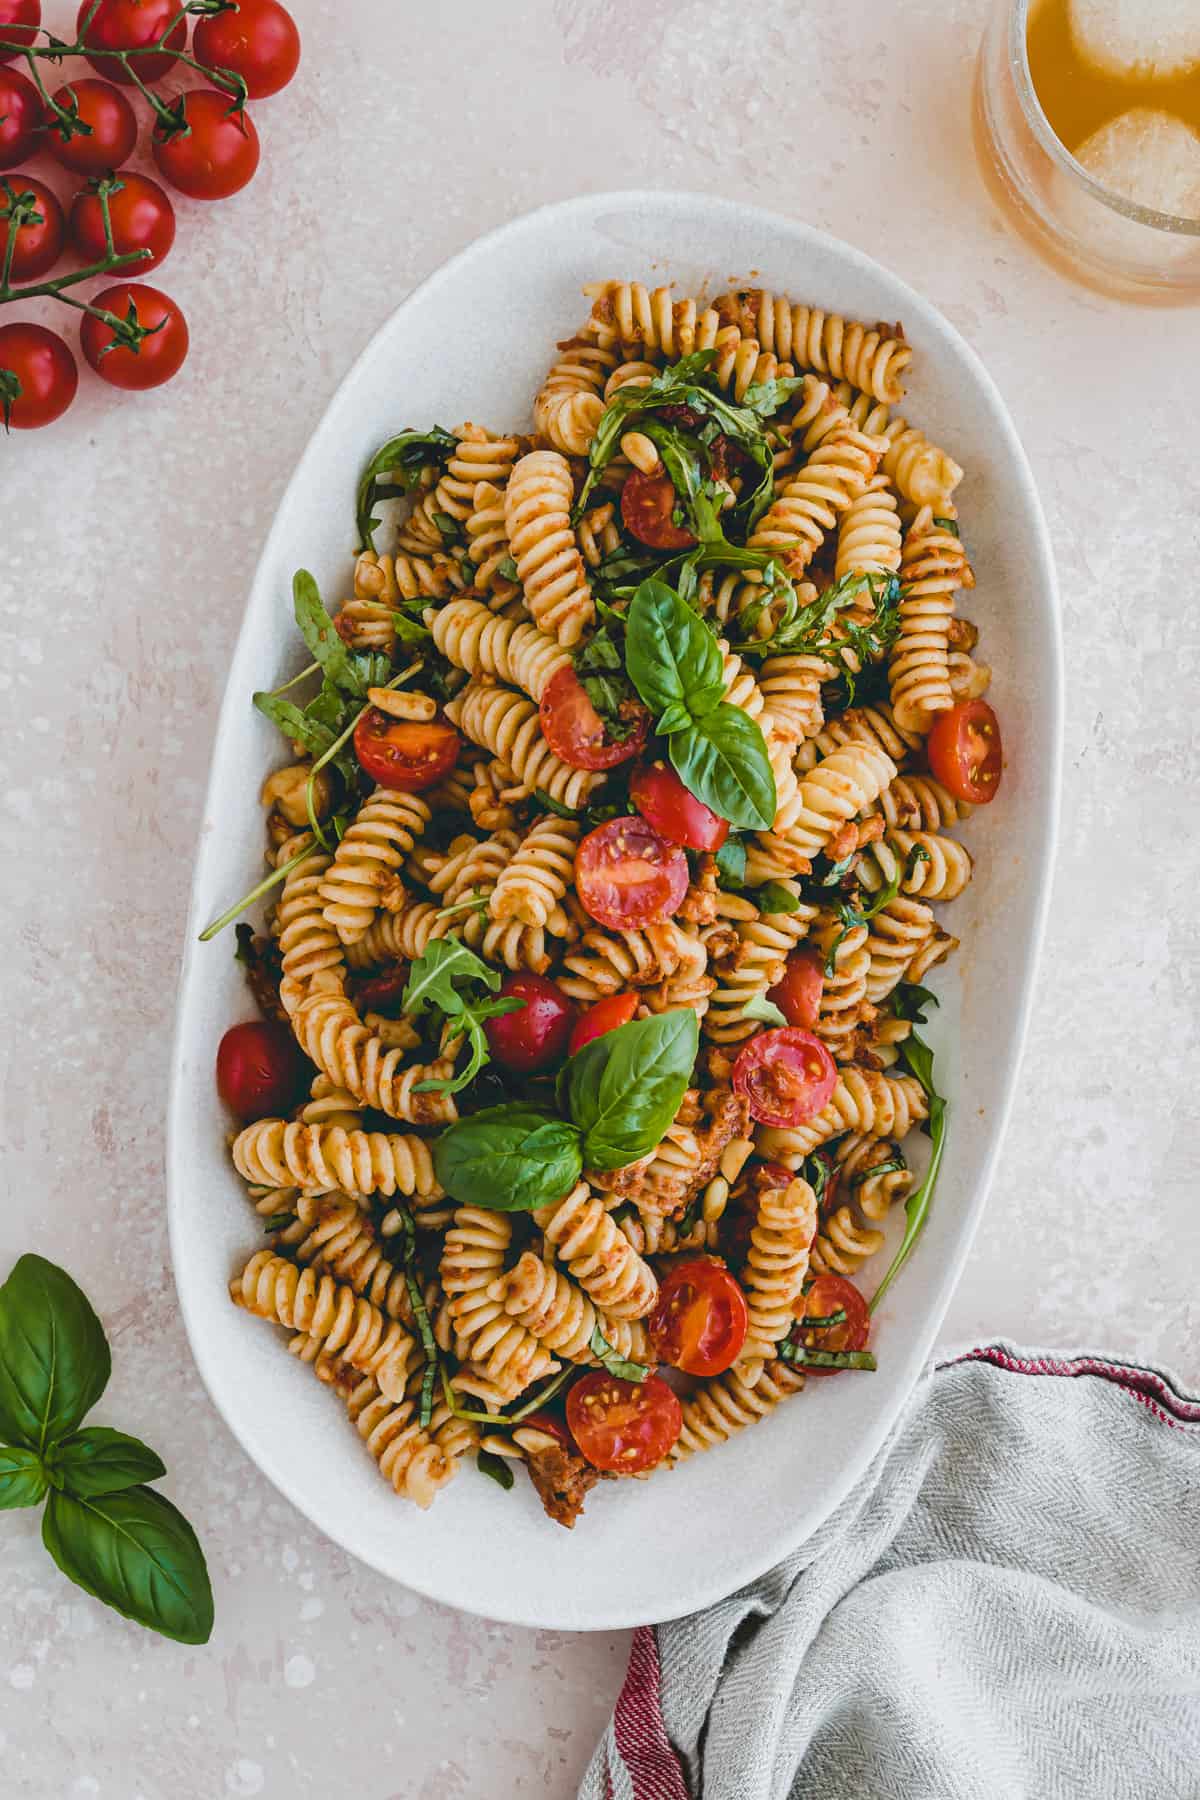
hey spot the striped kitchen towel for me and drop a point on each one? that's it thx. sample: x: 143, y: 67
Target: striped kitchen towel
x: 1006, y: 1608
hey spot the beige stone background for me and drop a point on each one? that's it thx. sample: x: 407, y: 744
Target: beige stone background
x: 127, y: 538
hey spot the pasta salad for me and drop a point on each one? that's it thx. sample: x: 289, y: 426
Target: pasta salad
x: 603, y: 886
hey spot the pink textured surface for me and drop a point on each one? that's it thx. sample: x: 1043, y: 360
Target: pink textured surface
x: 128, y: 536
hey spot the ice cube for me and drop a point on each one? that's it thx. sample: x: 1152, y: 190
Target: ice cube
x: 1147, y: 156
x: 1147, y: 37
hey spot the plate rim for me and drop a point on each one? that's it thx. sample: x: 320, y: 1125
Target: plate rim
x: 728, y: 1581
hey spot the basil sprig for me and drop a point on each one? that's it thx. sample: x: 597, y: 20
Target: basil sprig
x: 509, y: 1158
x: 716, y: 749
x: 404, y: 456
x: 917, y: 1058
x: 108, y: 1532
x: 437, y: 979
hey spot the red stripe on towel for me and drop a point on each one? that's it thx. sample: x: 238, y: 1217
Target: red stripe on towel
x: 1146, y: 1385
x: 654, y: 1769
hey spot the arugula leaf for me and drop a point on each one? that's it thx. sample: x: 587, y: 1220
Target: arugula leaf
x: 601, y: 669
x: 759, y: 1007
x: 853, y: 916
x: 316, y: 737
x: 731, y: 863
x: 723, y: 761
x: 773, y: 897
x: 623, y: 1089
x: 509, y: 1158
x: 432, y: 982
x: 508, y: 569
x: 348, y: 671
x: 496, y: 1468
x: 917, y: 1058
x: 409, y: 630
x: 404, y: 455
x: 763, y: 398
x: 807, y: 630
x: 910, y: 1000
x: 616, y: 1365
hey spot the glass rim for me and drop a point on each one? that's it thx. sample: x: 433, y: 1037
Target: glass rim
x: 1178, y: 224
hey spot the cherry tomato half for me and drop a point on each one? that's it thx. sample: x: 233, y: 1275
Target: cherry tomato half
x: 112, y: 123
x: 383, y: 994
x: 45, y: 370
x: 575, y: 731
x: 552, y: 1426
x: 133, y: 25
x: 965, y: 752
x: 831, y: 1294
x: 787, y: 1075
x: 40, y: 241
x: 259, y: 42
x: 604, y: 1016
x: 407, y: 755
x: 699, y: 1323
x: 142, y: 219
x: 261, y: 1073
x: 157, y: 358
x: 21, y: 116
x: 661, y: 797
x: 536, y: 1036
x: 19, y: 20
x: 216, y: 155
x: 798, y: 993
x: 647, y: 503
x: 626, y: 1426
x: 627, y: 875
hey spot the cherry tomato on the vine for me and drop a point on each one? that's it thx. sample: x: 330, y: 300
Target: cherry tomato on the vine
x: 133, y: 25
x: 798, y: 992
x: 661, y: 797
x: 19, y: 20
x: 111, y: 122
x: 157, y: 358
x: 787, y: 1075
x: 38, y: 363
x: 21, y: 117
x: 259, y: 42
x: 604, y: 1016
x: 40, y: 240
x: 535, y: 1036
x: 261, y: 1073
x: 407, y: 755
x: 965, y: 752
x: 215, y: 155
x: 830, y: 1294
x: 627, y: 875
x: 142, y: 219
x: 647, y: 503
x: 626, y: 1426
x: 575, y: 731
x: 700, y: 1320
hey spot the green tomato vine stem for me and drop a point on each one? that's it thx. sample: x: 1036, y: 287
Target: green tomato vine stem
x: 21, y: 211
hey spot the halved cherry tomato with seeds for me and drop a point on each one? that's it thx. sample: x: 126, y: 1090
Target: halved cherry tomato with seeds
x: 19, y: 21
x: 535, y: 1036
x: 830, y: 1294
x: 700, y: 1321
x: 606, y: 1015
x: 627, y: 875
x: 261, y: 1073
x: 661, y: 797
x: 383, y: 994
x: 798, y: 993
x: 625, y: 1426
x: 575, y: 731
x: 965, y: 752
x: 406, y: 755
x: 40, y: 239
x: 788, y: 1076
x: 647, y: 503
x: 112, y: 124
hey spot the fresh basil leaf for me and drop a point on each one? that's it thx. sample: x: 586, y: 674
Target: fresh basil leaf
x: 917, y: 1058
x: 616, y: 1365
x: 670, y: 654
x: 509, y: 1158
x: 98, y: 1461
x: 759, y: 1007
x: 316, y: 737
x: 624, y: 1089
x: 773, y: 897
x: 675, y: 718
x: 54, y: 1356
x: 137, y: 1553
x: 22, y: 1480
x: 723, y: 761
x: 790, y: 1352
x: 731, y: 863
x: 403, y: 456
x: 496, y: 1468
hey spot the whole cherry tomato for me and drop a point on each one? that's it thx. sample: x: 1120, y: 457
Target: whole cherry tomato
x: 788, y: 1076
x: 535, y: 1036
x: 21, y: 117
x: 625, y: 1426
x: 157, y: 358
x: 648, y: 503
x: 259, y: 42
x: 676, y: 814
x: 19, y: 20
x: 965, y: 752
x: 38, y: 376
x: 133, y: 25
x: 142, y: 219
x: 112, y: 128
x: 627, y: 875
x: 407, y: 755
x: 575, y: 731
x: 604, y: 1016
x: 261, y: 1073
x: 798, y: 992
x: 830, y: 1294
x: 216, y: 153
x: 700, y: 1320
x: 40, y: 240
